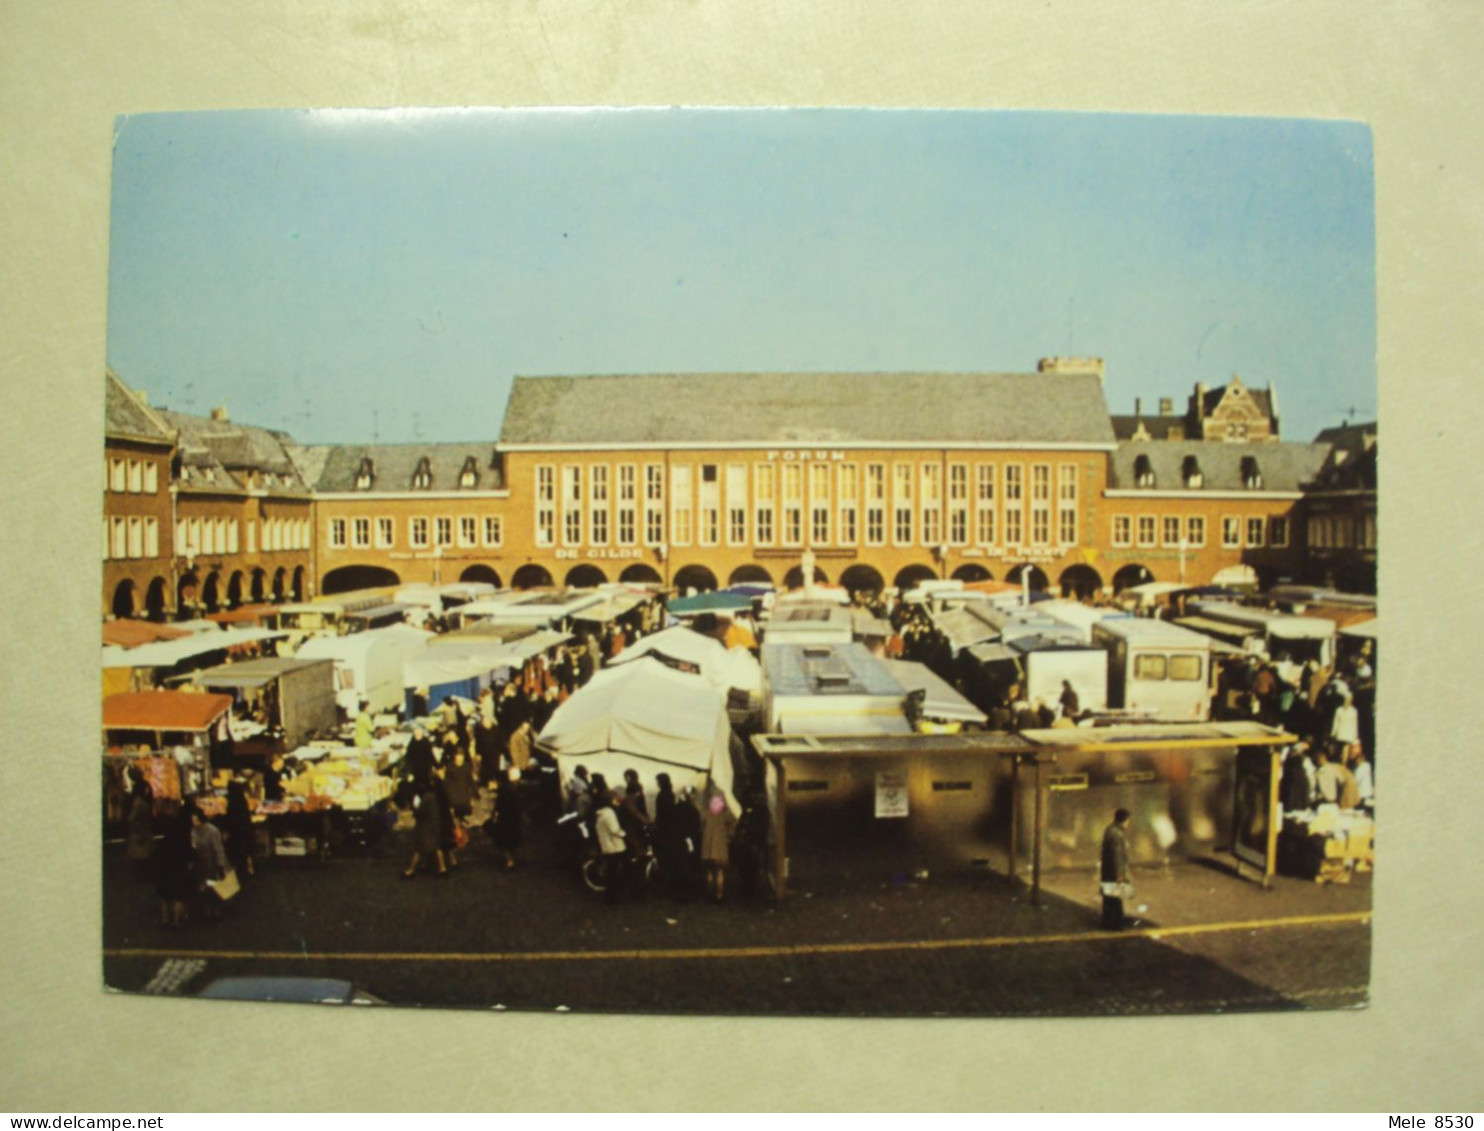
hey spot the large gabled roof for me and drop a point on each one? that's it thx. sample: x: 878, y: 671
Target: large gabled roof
x: 220, y: 455
x: 808, y: 408
x: 1283, y: 466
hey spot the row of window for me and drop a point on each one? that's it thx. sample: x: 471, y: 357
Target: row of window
x: 205, y: 536
x: 1342, y: 532
x: 132, y: 476
x: 1169, y: 531
x: 821, y: 503
x: 134, y: 536
x: 380, y: 532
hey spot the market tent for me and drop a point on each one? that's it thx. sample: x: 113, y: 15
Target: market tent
x: 168, y: 653
x: 994, y: 653
x: 646, y: 717
x: 519, y: 651
x: 1234, y: 632
x: 610, y: 609
x: 132, y: 633
x: 831, y: 594
x: 722, y: 602
x: 723, y: 667
x: 941, y: 701
x: 1365, y: 630
x: 254, y: 614
x: 163, y: 710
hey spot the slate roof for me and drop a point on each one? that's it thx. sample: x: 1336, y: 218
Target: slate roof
x: 1284, y: 466
x: 808, y: 408
x: 336, y: 466
x: 125, y: 415
x: 216, y: 455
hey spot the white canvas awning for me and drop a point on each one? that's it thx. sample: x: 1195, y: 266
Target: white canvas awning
x: 168, y: 653
x: 647, y: 717
x: 723, y: 668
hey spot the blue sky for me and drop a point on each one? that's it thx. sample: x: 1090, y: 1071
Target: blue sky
x: 350, y: 275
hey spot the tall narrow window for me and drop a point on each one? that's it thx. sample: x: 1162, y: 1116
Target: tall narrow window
x: 932, y: 504
x: 571, y: 505
x: 545, y: 506
x: 337, y: 533
x: 386, y: 533
x: 118, y: 477
x: 598, y: 504
x: 793, y: 505
x: 1278, y: 531
x: 151, y: 477
x: 902, y: 504
x: 1040, y: 504
x: 628, y: 504
x: 120, y: 538
x: 1123, y: 530
x: 232, y: 537
x: 1195, y: 530
x: 680, y: 504
x: 1231, y: 532
x: 1170, y: 524
x: 443, y: 531
x: 468, y: 530
x: 151, y: 538
x: 1066, y: 504
x: 494, y: 530
x: 654, y: 504
x: 736, y: 504
x: 1146, y: 530
x: 709, y: 505
x: 846, y: 493
x: 875, y: 504
x: 958, y: 504
x: 764, y: 476
x: 1256, y: 528
x: 417, y: 532
x: 819, y: 504
x: 136, y: 476
x: 1014, y: 503
x: 984, y: 504
x: 136, y: 537
x: 360, y: 533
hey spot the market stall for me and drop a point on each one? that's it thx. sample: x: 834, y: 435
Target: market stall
x: 647, y: 717
x: 164, y: 736
x: 292, y: 698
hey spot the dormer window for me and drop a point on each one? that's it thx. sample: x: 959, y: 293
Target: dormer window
x: 1190, y: 471
x: 422, y: 478
x: 365, y: 475
x: 469, y: 476
x: 1143, y: 472
x: 1251, y: 474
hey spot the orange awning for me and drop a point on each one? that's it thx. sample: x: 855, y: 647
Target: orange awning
x: 127, y: 633
x: 163, y: 710
x: 246, y: 614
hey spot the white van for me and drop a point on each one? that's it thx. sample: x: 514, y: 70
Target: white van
x: 1156, y: 668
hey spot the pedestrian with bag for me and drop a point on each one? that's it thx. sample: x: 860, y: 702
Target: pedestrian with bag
x: 1116, y: 886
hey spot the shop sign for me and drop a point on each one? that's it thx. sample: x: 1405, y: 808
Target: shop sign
x: 601, y: 553
x: 1065, y: 783
x: 891, y: 794
x: 1134, y: 777
x: 791, y: 455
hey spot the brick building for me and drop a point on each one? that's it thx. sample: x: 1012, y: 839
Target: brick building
x: 243, y: 515
x: 1341, y: 511
x: 138, y: 516
x: 1232, y: 413
x: 710, y: 479
x: 392, y: 513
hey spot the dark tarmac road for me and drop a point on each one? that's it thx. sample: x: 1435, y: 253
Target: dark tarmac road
x: 847, y: 941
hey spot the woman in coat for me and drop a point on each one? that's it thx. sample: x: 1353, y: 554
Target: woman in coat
x: 140, y: 842
x: 239, y: 829
x: 717, y: 824
x: 509, y: 818
x: 174, y: 858
x: 428, y: 831
x: 209, y: 863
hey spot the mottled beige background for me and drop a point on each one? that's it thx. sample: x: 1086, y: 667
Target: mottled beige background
x: 1412, y: 69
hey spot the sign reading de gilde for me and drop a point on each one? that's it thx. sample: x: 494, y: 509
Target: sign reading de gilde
x: 619, y: 553
x: 891, y: 794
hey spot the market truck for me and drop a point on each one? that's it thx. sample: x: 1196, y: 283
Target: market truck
x: 1048, y: 660
x: 1156, y: 668
x: 368, y: 665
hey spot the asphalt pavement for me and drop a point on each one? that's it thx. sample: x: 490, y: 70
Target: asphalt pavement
x: 855, y: 936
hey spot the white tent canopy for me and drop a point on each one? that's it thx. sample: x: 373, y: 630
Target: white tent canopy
x: 649, y: 718
x: 723, y: 668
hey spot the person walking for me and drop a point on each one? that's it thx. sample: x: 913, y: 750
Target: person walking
x: 239, y: 830
x: 1114, y: 873
x: 427, y: 827
x: 509, y: 818
x: 612, y: 846
x: 209, y: 862
x: 458, y: 780
x: 717, y: 824
x: 173, y: 862
x: 140, y: 839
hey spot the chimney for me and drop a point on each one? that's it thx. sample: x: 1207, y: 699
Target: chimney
x: 1138, y: 407
x: 1093, y: 365
x: 1200, y: 400
x: 219, y: 414
x: 1166, y: 406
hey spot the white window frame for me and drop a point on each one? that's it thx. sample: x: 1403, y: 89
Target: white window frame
x: 384, y: 532
x: 1151, y: 522
x: 151, y: 537
x: 493, y: 530
x: 738, y: 505
x: 337, y: 533
x: 1231, y: 532
x: 875, y: 489
x: 1123, y: 530
x: 467, y: 531
x: 419, y: 532
x: 764, y: 503
x: 360, y: 532
x: 1166, y: 521
x: 681, y: 501
x: 545, y: 515
x: 1278, y: 531
x: 1195, y: 523
x: 1256, y: 525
